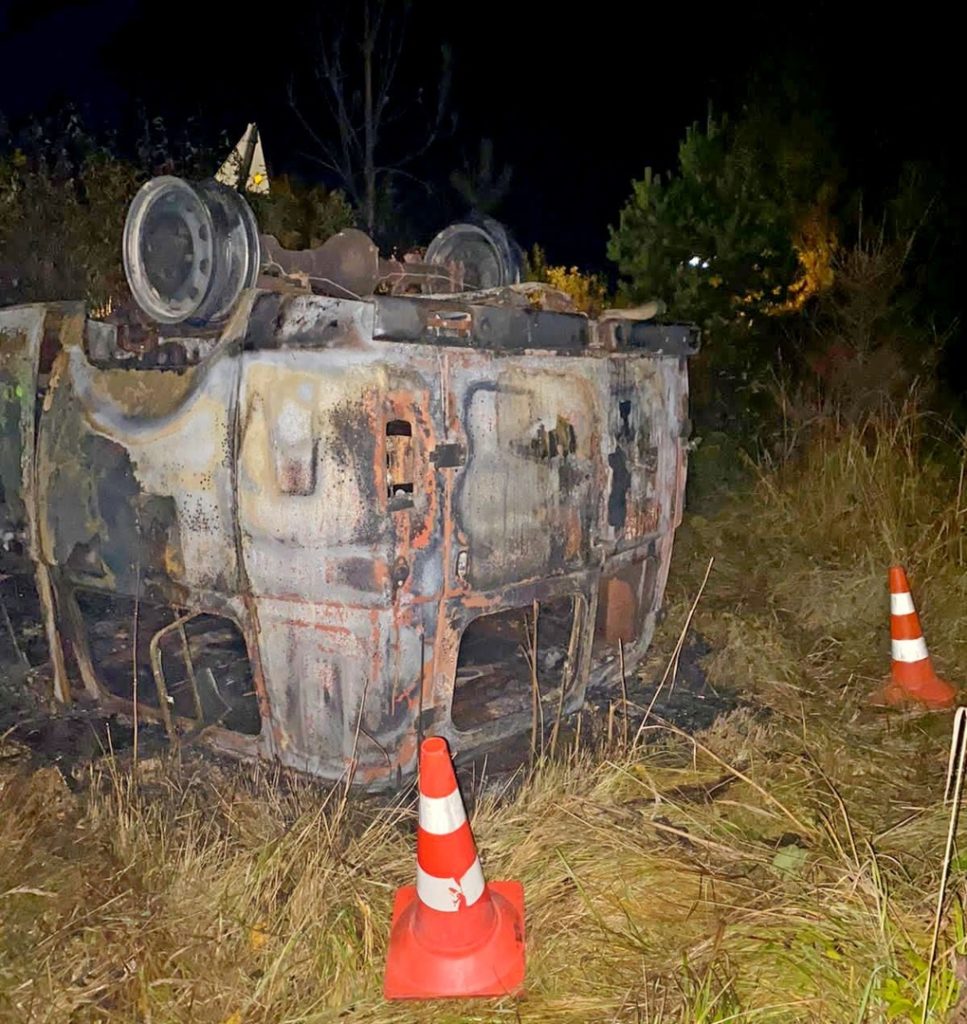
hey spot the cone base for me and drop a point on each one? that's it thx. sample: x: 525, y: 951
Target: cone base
x: 934, y: 695
x: 492, y: 967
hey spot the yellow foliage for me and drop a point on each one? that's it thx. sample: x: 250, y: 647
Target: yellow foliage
x: 815, y: 249
x: 257, y: 937
x: 588, y: 292
x: 103, y: 310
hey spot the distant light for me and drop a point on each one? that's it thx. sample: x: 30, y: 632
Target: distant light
x: 697, y: 261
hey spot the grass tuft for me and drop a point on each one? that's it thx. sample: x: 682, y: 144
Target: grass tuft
x: 783, y: 865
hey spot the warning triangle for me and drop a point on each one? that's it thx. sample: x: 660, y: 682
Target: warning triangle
x: 248, y: 152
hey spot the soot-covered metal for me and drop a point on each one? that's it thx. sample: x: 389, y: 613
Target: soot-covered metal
x: 320, y: 530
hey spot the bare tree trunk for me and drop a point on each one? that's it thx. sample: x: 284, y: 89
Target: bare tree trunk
x: 357, y: 80
x: 369, y: 126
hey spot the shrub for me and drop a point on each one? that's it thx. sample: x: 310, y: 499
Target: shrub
x: 301, y: 216
x: 588, y: 292
x: 60, y: 228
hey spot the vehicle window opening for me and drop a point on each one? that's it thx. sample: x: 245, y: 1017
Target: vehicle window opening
x: 205, y: 665
x: 494, y: 679
x: 399, y: 463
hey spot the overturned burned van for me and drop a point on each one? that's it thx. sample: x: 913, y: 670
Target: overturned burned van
x: 315, y: 511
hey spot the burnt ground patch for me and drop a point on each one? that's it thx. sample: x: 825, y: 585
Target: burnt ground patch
x: 42, y: 732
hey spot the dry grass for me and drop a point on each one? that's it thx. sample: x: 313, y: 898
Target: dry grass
x: 782, y: 866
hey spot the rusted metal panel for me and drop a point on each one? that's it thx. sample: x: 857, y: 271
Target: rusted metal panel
x: 478, y: 325
x: 136, y: 478
x: 527, y: 503
x: 353, y: 483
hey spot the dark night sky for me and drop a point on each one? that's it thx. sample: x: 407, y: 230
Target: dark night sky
x: 577, y: 98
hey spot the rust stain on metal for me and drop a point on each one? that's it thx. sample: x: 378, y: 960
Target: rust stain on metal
x: 353, y: 493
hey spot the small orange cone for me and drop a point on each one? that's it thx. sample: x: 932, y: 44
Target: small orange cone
x: 912, y: 678
x: 452, y: 934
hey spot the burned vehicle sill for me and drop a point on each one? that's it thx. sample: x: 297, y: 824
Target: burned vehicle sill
x: 331, y: 527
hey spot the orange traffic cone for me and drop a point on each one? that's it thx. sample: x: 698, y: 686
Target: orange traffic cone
x: 452, y: 933
x: 912, y: 678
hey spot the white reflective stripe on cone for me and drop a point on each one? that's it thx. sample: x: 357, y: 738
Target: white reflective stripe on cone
x: 901, y: 604
x: 441, y: 815
x: 445, y: 893
x: 910, y: 650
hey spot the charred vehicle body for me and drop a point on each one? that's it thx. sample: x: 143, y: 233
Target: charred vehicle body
x: 314, y: 506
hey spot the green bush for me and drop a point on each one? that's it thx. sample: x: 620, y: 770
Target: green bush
x: 718, y: 239
x: 60, y: 231
x: 301, y: 216
x: 64, y: 197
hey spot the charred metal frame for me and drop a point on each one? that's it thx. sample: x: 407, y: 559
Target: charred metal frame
x: 352, y: 483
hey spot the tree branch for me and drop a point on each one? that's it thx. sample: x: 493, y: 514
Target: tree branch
x: 356, y: 74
